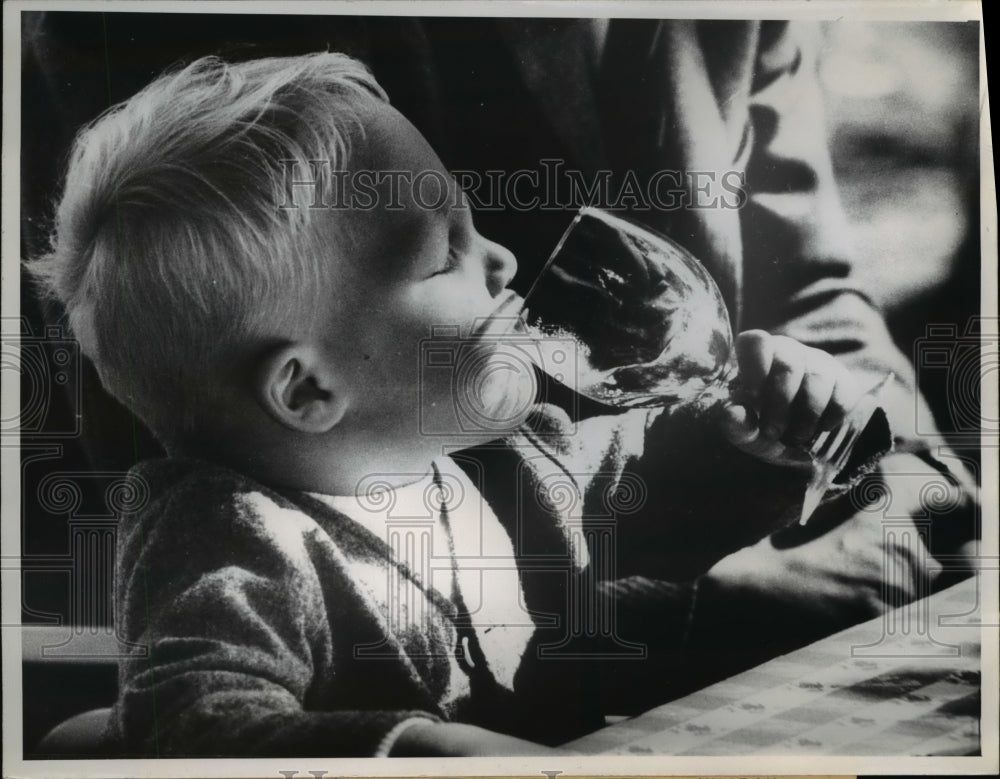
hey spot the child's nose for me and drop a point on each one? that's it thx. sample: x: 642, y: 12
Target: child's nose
x: 501, y: 265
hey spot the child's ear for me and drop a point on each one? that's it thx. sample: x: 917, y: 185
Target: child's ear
x: 297, y: 387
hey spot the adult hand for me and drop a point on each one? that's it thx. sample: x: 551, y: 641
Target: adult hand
x: 857, y: 569
x: 790, y: 393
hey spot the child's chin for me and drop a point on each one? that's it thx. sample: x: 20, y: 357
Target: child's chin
x: 500, y: 396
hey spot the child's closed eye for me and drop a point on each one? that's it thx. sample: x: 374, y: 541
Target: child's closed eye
x: 451, y: 262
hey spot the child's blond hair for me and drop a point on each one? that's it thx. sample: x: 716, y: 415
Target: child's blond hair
x: 174, y: 245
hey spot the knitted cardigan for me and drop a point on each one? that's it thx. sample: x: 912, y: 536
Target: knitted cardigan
x: 261, y: 619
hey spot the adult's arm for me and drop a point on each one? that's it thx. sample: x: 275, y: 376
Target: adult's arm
x: 798, y: 281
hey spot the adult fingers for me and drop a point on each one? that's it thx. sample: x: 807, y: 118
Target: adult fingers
x: 754, y: 354
x: 845, y: 396
x: 819, y: 384
x: 784, y: 380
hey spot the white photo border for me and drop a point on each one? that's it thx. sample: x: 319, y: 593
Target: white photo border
x: 14, y: 763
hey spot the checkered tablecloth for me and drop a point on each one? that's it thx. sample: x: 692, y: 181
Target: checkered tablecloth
x: 906, y: 683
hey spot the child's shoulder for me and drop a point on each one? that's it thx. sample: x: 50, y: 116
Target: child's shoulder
x: 178, y: 501
x: 181, y: 495
x: 169, y: 481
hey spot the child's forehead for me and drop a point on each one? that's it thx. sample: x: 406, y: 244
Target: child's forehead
x: 399, y: 199
x: 395, y: 173
x: 391, y: 143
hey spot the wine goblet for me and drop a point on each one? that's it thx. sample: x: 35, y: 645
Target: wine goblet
x: 651, y: 329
